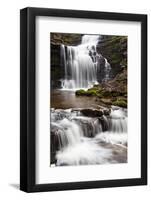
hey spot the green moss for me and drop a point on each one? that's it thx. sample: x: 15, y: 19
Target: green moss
x: 116, y: 94
x: 98, y: 92
x: 120, y: 102
x: 106, y: 93
x: 90, y: 92
x: 80, y: 92
x: 93, y: 91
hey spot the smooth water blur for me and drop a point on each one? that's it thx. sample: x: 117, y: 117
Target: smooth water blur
x: 80, y: 63
x: 83, y: 141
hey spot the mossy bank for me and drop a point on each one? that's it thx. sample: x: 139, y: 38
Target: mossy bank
x: 113, y: 92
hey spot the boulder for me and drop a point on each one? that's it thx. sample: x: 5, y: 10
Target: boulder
x: 92, y: 112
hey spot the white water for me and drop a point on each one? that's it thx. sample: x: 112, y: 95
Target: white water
x: 107, y: 69
x: 80, y: 63
x: 85, y: 152
x: 80, y: 137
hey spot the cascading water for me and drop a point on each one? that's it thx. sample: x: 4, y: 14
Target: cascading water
x: 87, y: 140
x: 107, y: 69
x: 80, y: 63
x: 87, y: 133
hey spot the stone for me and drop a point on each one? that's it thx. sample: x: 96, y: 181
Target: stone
x: 92, y: 112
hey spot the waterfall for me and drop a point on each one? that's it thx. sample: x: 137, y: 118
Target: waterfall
x: 80, y: 63
x: 107, y: 69
x: 77, y: 138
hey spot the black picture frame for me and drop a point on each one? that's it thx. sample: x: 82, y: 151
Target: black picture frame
x: 28, y: 98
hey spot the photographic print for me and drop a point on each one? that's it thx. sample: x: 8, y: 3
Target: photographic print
x: 83, y: 99
x: 88, y: 99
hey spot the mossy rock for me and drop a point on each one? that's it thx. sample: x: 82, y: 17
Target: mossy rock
x: 106, y: 93
x: 120, y: 102
x: 89, y: 92
x: 98, y: 92
x: 80, y: 92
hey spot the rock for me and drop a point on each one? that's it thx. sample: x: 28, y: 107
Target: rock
x: 80, y: 92
x: 88, y: 126
x: 92, y: 112
x: 76, y: 109
x: 114, y: 48
x: 54, y: 144
x: 60, y: 114
x: 66, y: 38
x: 106, y: 112
x: 57, y: 67
x: 106, y: 101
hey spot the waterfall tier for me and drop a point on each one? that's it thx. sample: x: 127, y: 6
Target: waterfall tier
x: 72, y: 133
x: 81, y: 62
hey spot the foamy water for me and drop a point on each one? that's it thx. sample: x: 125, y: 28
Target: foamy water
x: 82, y: 139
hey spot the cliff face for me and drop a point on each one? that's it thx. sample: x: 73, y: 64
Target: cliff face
x: 65, y: 38
x: 57, y: 68
x: 114, y: 48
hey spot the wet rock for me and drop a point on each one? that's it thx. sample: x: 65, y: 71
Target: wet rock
x: 106, y: 112
x: 59, y: 114
x: 57, y: 67
x: 66, y: 39
x: 90, y: 127
x: 54, y: 144
x: 92, y: 112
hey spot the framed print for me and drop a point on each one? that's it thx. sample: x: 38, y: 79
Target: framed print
x: 83, y: 99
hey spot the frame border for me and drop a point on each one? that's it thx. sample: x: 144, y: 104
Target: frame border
x: 27, y: 99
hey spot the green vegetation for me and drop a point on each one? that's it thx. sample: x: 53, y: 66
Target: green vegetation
x: 98, y: 92
x: 90, y: 92
x: 120, y: 102
x: 80, y: 92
